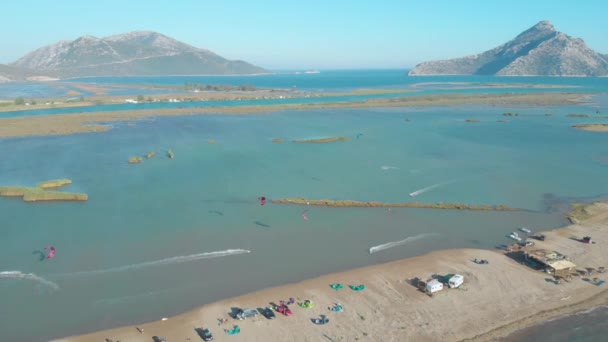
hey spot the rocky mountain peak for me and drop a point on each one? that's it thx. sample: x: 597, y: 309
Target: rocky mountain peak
x: 131, y: 53
x: 540, y: 50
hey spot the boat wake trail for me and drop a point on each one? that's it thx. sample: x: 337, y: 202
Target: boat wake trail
x: 428, y: 188
x: 388, y: 167
x: 392, y: 244
x: 167, y: 261
x: 28, y: 276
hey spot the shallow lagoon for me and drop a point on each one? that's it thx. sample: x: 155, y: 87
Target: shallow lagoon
x: 205, y: 200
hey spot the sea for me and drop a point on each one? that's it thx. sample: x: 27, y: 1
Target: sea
x: 168, y: 235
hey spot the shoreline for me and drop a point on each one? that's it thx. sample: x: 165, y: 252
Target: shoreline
x: 66, y: 124
x: 501, y: 297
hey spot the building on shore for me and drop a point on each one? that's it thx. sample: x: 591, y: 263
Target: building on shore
x: 552, y: 262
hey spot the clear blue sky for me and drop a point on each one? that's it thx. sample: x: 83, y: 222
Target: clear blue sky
x: 306, y: 33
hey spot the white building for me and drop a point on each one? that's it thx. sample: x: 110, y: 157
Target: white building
x: 455, y: 281
x: 434, y: 286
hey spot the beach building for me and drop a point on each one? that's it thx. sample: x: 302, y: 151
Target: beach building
x: 552, y: 262
x: 455, y: 281
x: 434, y: 286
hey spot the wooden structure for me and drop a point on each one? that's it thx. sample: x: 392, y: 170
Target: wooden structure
x: 551, y: 261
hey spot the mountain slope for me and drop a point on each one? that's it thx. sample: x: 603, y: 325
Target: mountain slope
x: 540, y: 50
x: 10, y: 73
x: 133, y: 53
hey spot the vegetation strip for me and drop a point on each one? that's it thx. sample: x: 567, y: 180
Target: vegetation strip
x: 374, y: 204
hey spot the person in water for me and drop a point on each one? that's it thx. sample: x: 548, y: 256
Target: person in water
x: 262, y: 200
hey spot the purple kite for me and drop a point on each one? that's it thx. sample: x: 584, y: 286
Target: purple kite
x: 51, y: 254
x: 304, y: 215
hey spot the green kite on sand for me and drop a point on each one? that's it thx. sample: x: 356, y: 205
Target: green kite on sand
x: 337, y: 286
x: 307, y: 304
x: 234, y: 330
x: 357, y: 288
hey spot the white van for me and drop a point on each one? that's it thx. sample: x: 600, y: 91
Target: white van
x: 455, y: 281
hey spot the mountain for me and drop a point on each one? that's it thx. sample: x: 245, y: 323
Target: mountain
x: 11, y: 73
x: 130, y: 54
x: 539, y: 51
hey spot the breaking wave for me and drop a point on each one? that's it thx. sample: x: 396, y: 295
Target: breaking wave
x: 167, y: 261
x: 392, y: 244
x: 28, y: 276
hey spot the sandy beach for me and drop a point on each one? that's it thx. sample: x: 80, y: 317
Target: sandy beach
x: 63, y: 124
x: 495, y: 300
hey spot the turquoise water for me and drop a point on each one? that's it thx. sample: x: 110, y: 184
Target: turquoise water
x: 136, y: 250
x: 347, y: 80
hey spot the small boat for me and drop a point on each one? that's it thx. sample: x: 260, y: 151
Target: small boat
x: 525, y: 230
x: 514, y: 236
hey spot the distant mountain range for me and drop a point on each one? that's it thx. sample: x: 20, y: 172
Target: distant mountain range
x: 138, y: 53
x: 538, y: 51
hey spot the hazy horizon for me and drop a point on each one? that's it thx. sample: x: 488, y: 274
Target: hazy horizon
x: 289, y: 36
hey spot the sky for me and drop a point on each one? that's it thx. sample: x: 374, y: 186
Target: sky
x: 304, y: 34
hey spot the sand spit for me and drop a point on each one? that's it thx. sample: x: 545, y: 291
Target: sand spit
x: 373, y: 204
x: 592, y: 127
x: 63, y: 124
x: 41, y: 192
x: 321, y: 141
x: 136, y: 160
x: 36, y: 194
x: 54, y: 184
x: 496, y: 299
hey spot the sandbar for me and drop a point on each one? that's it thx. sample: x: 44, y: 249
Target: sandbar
x: 38, y: 194
x: 54, y: 184
x: 64, y: 124
x: 495, y: 300
x: 592, y: 127
x: 321, y: 140
x: 373, y: 204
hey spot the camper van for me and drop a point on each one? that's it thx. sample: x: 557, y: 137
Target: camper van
x: 434, y: 286
x: 455, y: 281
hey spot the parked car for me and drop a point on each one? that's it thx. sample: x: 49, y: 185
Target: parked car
x: 268, y: 313
x: 241, y: 314
x: 539, y: 237
x: 527, y: 243
x: 205, y: 334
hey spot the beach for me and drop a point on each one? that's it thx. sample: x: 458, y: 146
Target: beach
x: 495, y: 300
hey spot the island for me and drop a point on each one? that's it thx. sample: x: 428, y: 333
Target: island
x: 39, y: 193
x: 603, y: 127
x: 321, y: 141
x: 375, y: 204
x: 54, y: 184
x: 136, y: 160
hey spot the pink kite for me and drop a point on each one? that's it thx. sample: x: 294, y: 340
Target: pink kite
x: 262, y: 200
x: 51, y: 254
x: 304, y: 215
